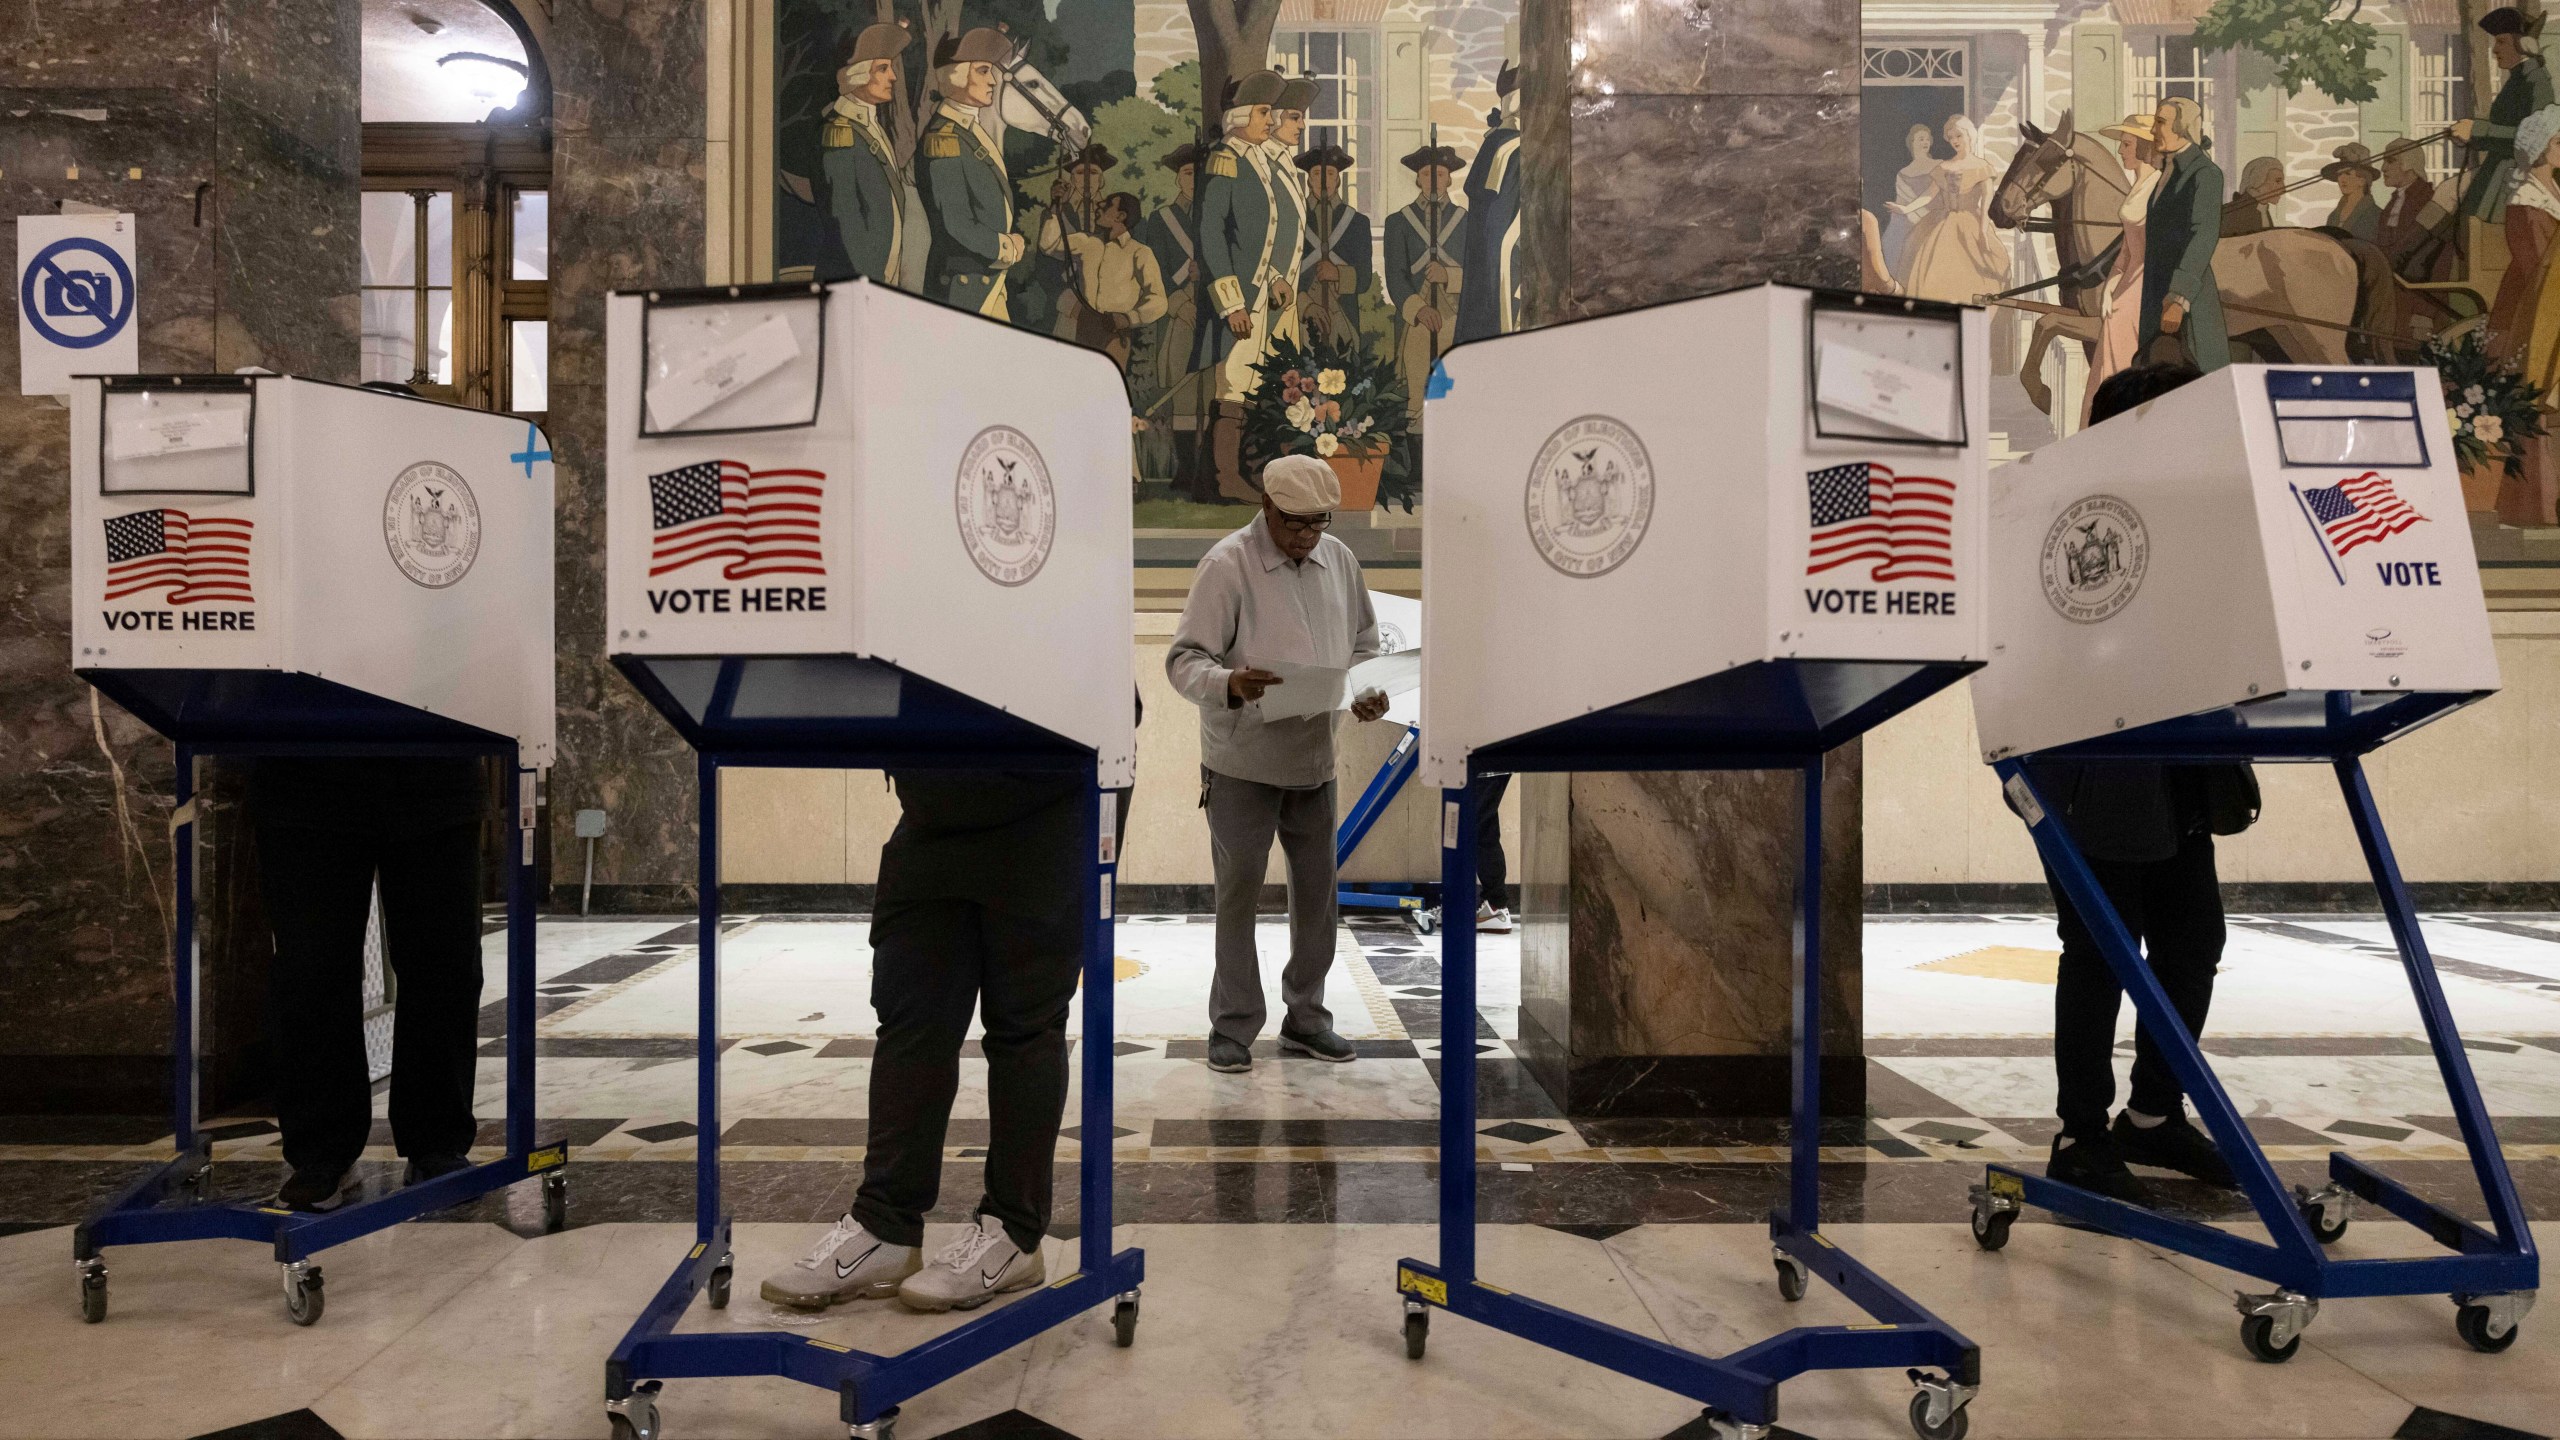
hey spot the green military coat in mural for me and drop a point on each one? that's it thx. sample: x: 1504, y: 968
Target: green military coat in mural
x: 2493, y: 139
x: 969, y: 204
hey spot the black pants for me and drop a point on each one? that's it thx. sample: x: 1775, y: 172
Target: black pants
x: 1492, y: 870
x: 934, y: 961
x: 2174, y: 909
x: 935, y: 956
x: 317, y: 868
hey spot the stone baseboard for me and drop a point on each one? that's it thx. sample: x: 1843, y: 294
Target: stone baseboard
x: 2239, y: 898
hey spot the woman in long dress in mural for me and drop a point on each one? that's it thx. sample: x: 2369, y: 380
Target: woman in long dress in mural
x: 1911, y: 189
x: 2120, y: 298
x: 1956, y: 254
x: 2533, y: 224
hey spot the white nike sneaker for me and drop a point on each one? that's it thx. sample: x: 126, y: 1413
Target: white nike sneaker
x: 849, y: 1263
x: 1491, y: 921
x: 972, y: 1270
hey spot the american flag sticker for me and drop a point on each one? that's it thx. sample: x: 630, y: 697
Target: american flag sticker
x: 2355, y: 512
x: 760, y: 522
x: 195, y: 558
x: 1901, y: 527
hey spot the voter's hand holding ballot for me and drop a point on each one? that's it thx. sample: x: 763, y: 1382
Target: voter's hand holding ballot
x: 1298, y: 689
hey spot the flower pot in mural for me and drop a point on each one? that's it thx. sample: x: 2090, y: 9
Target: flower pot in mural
x: 1339, y: 403
x: 1359, y: 471
x: 2480, y: 482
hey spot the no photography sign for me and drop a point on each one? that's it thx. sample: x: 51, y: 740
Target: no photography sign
x: 76, y: 300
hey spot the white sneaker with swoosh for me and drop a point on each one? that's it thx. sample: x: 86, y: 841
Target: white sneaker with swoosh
x: 973, y: 1269
x: 848, y: 1263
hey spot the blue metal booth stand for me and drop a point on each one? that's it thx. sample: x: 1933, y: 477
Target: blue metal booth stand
x: 2309, y: 522
x: 237, y: 690
x: 947, y: 588
x: 1738, y: 532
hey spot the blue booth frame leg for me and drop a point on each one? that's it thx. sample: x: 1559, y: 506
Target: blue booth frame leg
x: 170, y: 1202
x: 1740, y: 1390
x: 1407, y: 899
x: 2491, y: 1275
x: 870, y: 1387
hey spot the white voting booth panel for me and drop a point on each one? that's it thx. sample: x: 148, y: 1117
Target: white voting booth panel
x: 853, y: 471
x: 391, y: 545
x: 2263, y: 530
x: 1649, y: 498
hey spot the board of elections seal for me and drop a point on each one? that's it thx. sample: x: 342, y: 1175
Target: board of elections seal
x: 1590, y: 496
x: 1008, y: 509
x: 2094, y: 559
x: 431, y: 524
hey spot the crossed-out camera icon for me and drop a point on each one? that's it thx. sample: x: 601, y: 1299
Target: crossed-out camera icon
x: 80, y: 292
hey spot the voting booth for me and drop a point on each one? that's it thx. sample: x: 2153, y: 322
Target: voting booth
x: 2268, y: 564
x: 270, y: 566
x: 1736, y: 532
x: 850, y: 528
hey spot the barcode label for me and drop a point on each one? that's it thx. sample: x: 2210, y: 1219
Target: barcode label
x: 1449, y: 825
x: 2024, y: 799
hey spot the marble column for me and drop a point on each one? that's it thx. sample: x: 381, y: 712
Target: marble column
x: 231, y: 134
x: 627, y: 208
x: 1676, y: 149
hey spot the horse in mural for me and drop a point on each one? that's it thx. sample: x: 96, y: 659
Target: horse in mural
x: 2289, y: 294
x: 1029, y: 100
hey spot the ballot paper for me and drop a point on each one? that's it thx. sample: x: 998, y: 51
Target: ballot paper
x: 1394, y: 674
x: 720, y: 372
x: 1303, y: 689
x: 1884, y: 389
x: 144, y: 432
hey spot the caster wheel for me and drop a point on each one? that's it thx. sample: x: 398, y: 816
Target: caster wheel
x: 304, y: 1299
x: 195, y: 1188
x: 2471, y: 1322
x: 1791, y: 1280
x: 2256, y: 1332
x: 1954, y: 1427
x: 1425, y: 922
x: 718, y: 1291
x: 637, y: 1419
x: 2323, y: 1229
x: 555, y: 1203
x: 1417, y: 1333
x: 1991, y: 1231
x: 93, y: 1297
x: 1124, y: 1323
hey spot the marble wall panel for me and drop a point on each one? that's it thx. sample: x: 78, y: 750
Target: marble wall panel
x: 1716, y: 47
x: 628, y: 210
x: 232, y: 138
x: 1684, y: 195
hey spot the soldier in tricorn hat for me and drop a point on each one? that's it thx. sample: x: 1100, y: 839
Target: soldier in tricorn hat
x: 1288, y: 188
x: 2492, y: 138
x: 1239, y: 230
x: 969, y: 196
x: 1426, y: 277
x: 867, y: 189
x: 1335, y: 269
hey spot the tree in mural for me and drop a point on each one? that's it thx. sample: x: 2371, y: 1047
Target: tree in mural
x: 1142, y: 129
x: 2315, y: 43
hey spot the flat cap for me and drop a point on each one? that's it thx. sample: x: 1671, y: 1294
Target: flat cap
x: 1302, y: 485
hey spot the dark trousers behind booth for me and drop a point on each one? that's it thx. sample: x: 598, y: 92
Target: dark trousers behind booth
x: 979, y: 910
x: 326, y: 829
x: 2174, y: 909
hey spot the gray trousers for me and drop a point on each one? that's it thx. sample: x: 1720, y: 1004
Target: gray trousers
x: 1243, y: 817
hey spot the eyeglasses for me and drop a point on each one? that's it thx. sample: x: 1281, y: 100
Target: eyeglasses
x: 1303, y: 524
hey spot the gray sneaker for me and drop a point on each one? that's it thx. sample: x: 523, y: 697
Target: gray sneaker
x: 1322, y: 1045
x: 849, y: 1263
x: 1227, y: 1057
x: 972, y: 1270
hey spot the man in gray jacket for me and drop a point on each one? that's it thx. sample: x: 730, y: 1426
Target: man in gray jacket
x: 1280, y: 590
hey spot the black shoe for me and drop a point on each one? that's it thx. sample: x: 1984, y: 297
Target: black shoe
x: 2092, y: 1163
x: 423, y: 1168
x: 1227, y: 1057
x: 2173, y: 1144
x: 1323, y: 1045
x: 315, y: 1191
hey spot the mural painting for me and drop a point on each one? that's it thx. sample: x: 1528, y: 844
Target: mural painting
x: 1275, y: 273
x: 2230, y: 181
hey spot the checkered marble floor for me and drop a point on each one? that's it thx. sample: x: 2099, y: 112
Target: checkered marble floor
x: 1273, y: 1204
